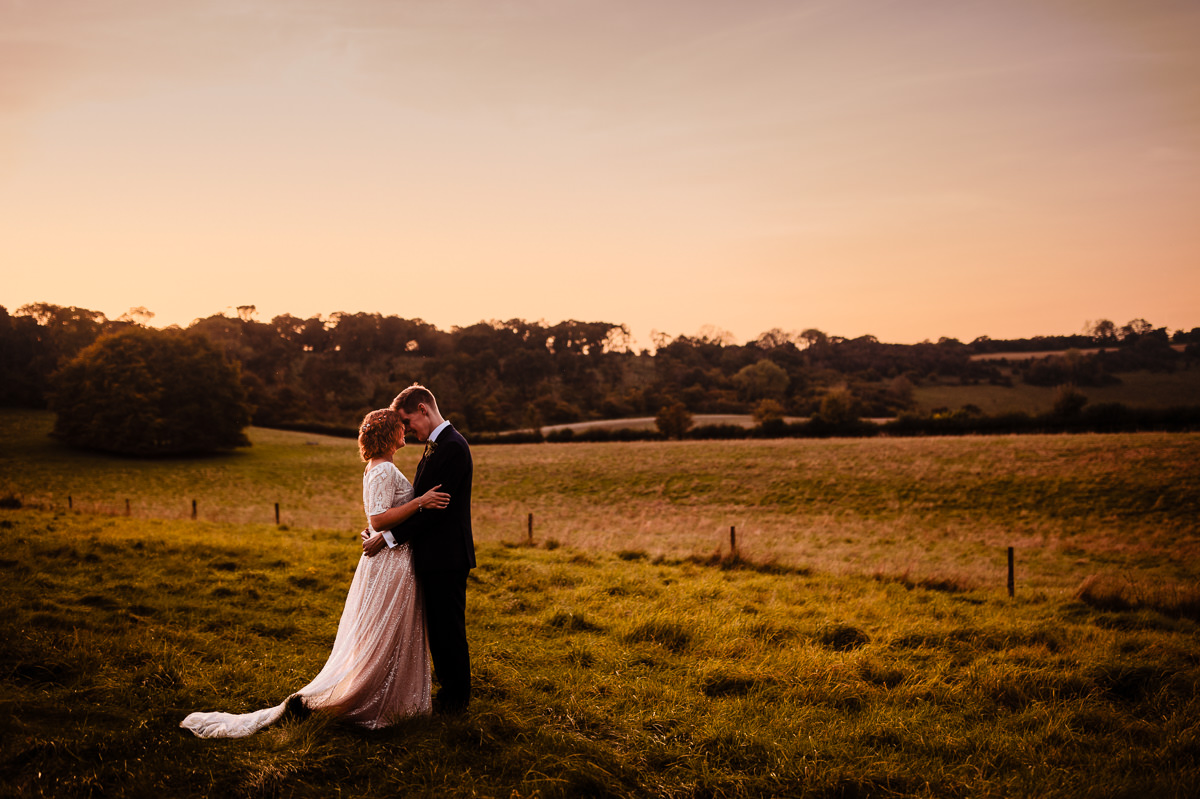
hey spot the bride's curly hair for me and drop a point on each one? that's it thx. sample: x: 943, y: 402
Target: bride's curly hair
x: 377, y: 433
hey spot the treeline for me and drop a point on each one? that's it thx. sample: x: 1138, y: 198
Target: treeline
x: 1106, y: 417
x: 326, y: 372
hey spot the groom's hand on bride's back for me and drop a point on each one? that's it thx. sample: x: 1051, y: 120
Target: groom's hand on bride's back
x: 373, y: 544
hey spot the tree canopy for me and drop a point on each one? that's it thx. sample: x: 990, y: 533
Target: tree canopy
x: 150, y: 392
x: 327, y: 371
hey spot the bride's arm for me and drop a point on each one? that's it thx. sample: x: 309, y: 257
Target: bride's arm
x: 373, y: 543
x: 394, y: 516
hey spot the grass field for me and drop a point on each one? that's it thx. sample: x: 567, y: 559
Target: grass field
x: 650, y: 423
x: 864, y: 645
x: 931, y: 508
x: 596, y: 675
x: 1137, y: 389
x: 1029, y: 356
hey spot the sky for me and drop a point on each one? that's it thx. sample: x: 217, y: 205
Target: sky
x: 908, y: 169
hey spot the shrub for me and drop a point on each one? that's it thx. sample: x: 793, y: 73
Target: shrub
x: 150, y: 392
x: 673, y: 420
x: 515, y: 437
x: 1068, y: 400
x: 718, y: 431
x: 768, y: 410
x: 839, y: 407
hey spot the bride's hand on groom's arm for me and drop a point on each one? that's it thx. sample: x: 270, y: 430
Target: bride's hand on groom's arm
x: 392, y: 517
x: 433, y: 499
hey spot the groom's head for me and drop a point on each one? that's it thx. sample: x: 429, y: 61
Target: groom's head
x: 418, y: 411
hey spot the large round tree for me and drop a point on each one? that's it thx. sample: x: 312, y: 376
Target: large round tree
x: 150, y: 392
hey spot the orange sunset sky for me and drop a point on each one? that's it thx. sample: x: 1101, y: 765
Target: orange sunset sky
x: 908, y: 169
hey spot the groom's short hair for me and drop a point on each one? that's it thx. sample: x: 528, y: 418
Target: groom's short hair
x: 416, y: 394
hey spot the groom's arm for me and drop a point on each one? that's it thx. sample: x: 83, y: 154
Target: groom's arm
x: 448, y: 469
x: 386, y: 522
x: 393, y: 516
x: 450, y: 466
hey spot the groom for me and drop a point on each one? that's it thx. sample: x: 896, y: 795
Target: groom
x: 442, y: 545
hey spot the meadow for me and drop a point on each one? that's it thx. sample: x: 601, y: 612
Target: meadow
x: 861, y: 644
x: 1142, y: 389
x: 931, y: 508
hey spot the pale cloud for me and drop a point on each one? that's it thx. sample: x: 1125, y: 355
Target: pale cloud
x: 67, y: 49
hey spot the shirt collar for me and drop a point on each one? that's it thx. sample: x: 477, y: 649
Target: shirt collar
x: 437, y: 431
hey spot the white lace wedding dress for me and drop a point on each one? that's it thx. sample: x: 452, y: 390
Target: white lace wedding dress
x: 378, y: 670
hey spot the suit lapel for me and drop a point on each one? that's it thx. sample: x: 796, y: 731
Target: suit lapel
x: 429, y: 452
x: 420, y: 468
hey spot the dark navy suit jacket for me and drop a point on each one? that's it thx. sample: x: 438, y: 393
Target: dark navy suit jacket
x: 441, y: 539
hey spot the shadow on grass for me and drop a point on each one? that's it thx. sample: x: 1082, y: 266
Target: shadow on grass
x: 1110, y: 593
x: 727, y: 561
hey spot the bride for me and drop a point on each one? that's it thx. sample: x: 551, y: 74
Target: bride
x: 378, y: 670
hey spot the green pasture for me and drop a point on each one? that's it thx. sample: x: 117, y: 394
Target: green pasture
x: 1136, y: 389
x: 943, y: 509
x: 596, y: 673
x: 862, y: 642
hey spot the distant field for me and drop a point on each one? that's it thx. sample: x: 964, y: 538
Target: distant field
x: 1137, y: 389
x: 926, y: 507
x: 648, y: 422
x: 1030, y: 356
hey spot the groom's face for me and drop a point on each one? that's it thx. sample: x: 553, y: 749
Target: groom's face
x: 417, y: 423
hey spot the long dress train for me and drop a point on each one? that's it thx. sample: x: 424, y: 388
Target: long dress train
x: 378, y: 670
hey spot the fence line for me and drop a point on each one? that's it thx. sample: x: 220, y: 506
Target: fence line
x: 276, y: 513
x: 308, y: 520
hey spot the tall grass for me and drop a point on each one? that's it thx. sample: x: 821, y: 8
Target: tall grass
x: 596, y: 675
x: 1109, y: 592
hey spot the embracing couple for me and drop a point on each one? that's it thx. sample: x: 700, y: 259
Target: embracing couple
x: 407, y: 602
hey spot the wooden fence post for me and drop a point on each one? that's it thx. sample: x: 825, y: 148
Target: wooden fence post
x: 732, y: 541
x: 69, y: 502
x: 127, y: 511
x: 531, y: 529
x: 193, y: 508
x: 277, y: 513
x: 1012, y: 583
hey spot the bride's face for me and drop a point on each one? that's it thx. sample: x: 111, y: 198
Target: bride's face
x: 399, y: 436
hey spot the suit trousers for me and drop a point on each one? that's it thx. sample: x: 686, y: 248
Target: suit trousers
x: 446, y: 627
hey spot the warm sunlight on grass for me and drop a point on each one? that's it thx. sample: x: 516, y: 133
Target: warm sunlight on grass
x: 928, y: 508
x: 595, y: 674
x: 859, y: 642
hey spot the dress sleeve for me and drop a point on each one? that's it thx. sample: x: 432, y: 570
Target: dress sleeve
x: 381, y: 487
